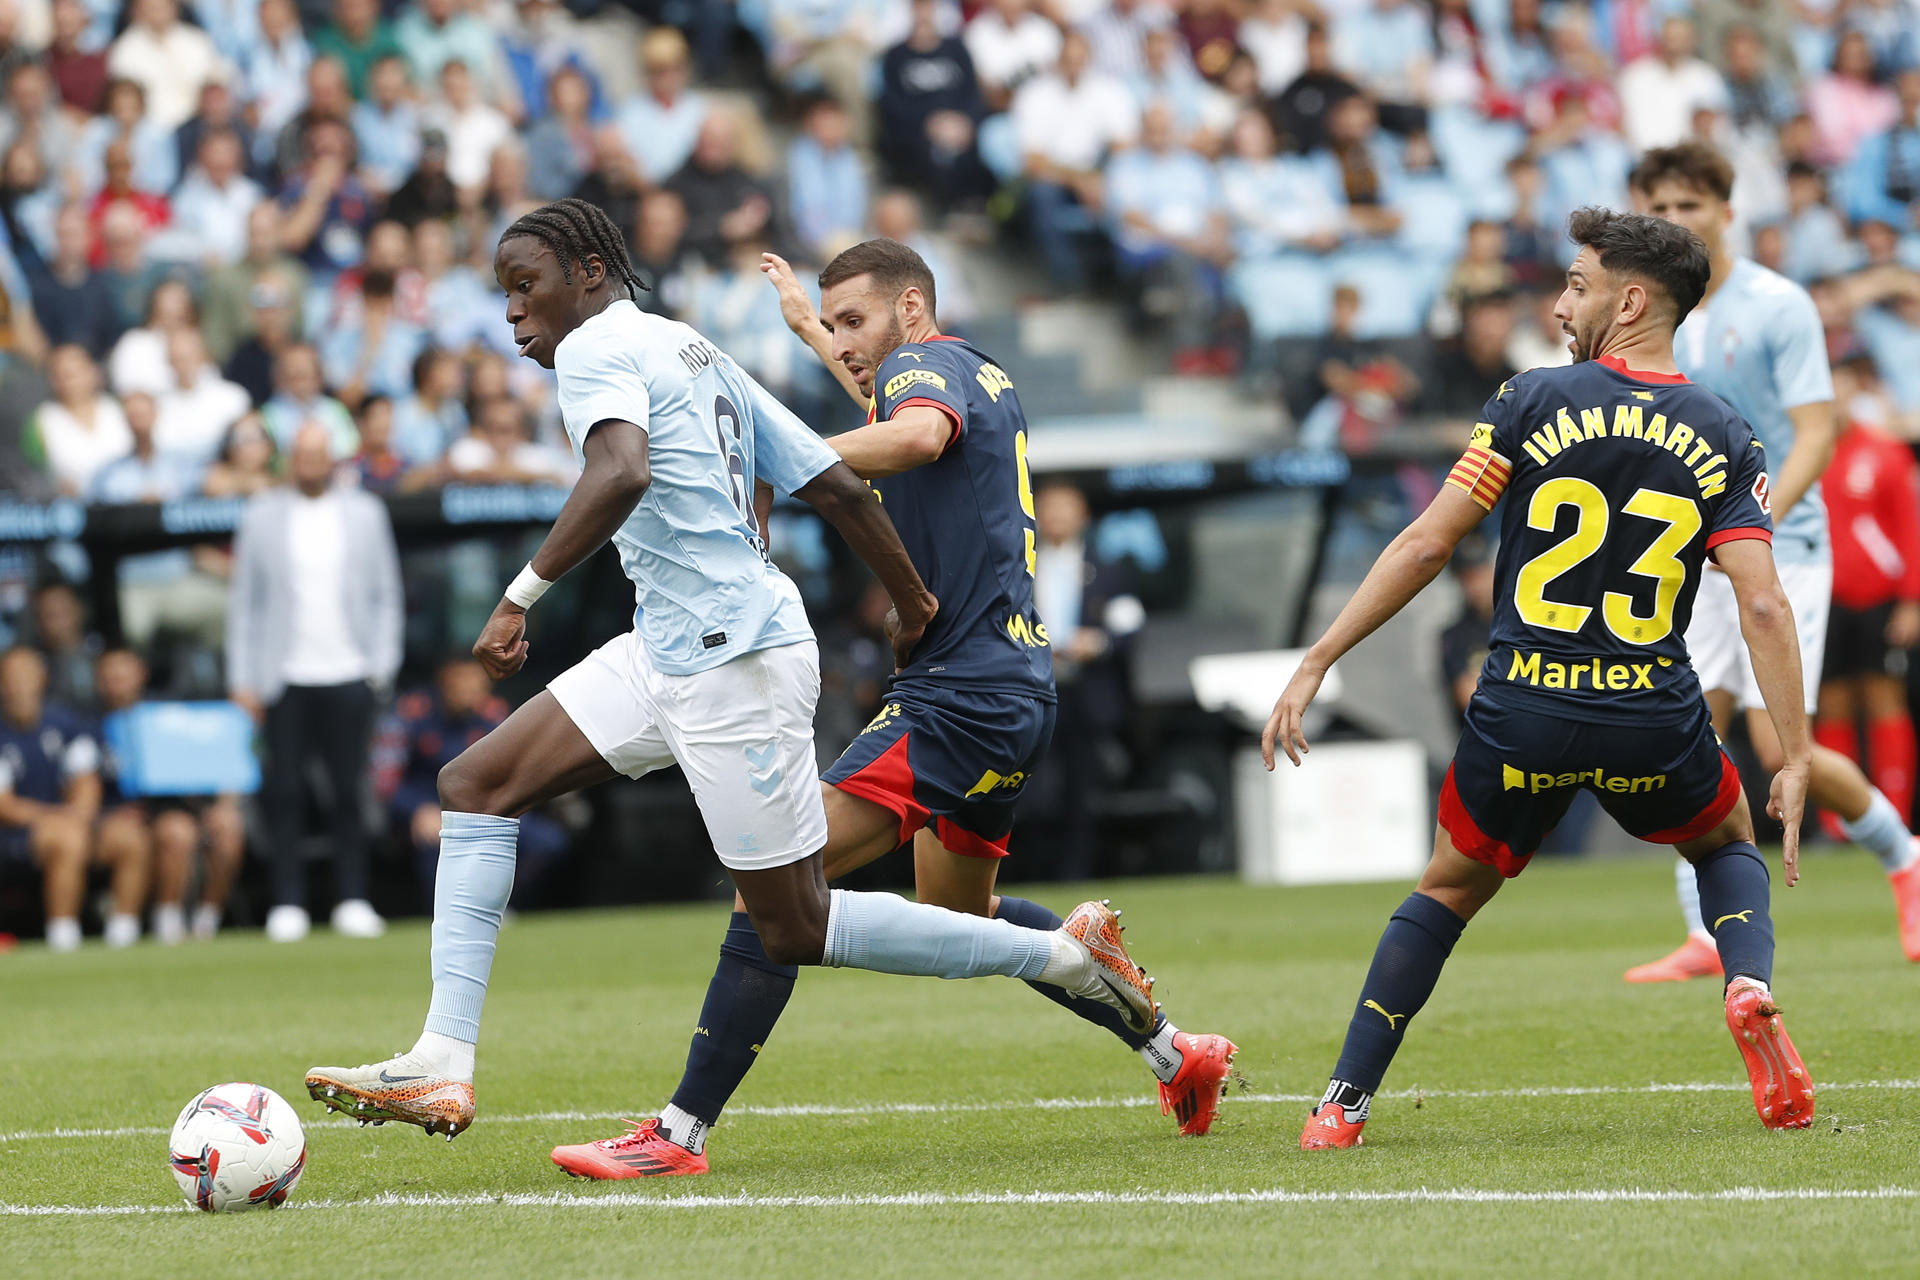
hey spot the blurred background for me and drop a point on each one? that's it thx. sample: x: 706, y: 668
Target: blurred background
x: 1253, y: 266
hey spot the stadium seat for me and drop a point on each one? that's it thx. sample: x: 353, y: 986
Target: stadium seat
x: 1287, y: 296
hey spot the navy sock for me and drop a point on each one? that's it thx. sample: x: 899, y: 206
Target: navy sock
x: 1031, y: 915
x: 1406, y: 964
x: 744, y: 1000
x: 1733, y: 902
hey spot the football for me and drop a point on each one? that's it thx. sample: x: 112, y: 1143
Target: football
x: 237, y: 1146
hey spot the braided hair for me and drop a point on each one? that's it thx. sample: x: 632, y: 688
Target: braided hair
x: 576, y: 229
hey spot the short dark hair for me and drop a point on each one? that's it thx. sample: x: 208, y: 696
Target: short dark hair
x: 1694, y: 163
x: 895, y: 268
x: 1654, y: 249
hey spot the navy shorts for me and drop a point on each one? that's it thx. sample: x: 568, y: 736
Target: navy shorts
x: 1515, y: 772
x: 957, y: 759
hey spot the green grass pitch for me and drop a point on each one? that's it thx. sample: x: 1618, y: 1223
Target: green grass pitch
x: 1524, y: 1133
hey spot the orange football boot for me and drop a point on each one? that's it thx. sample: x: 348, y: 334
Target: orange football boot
x: 1328, y: 1126
x: 1782, y: 1090
x: 1695, y: 958
x: 640, y: 1152
x: 1193, y: 1095
x: 402, y: 1088
x: 1906, y: 898
x: 1122, y: 983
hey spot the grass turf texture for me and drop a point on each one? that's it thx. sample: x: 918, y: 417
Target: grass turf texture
x: 590, y: 1013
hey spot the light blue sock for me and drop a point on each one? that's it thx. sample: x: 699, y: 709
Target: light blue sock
x: 1881, y: 832
x: 1688, y: 884
x: 470, y: 892
x: 888, y: 934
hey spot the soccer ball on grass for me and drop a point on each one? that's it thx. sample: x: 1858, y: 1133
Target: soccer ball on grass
x: 237, y: 1146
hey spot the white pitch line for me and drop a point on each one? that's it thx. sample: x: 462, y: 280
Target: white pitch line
x: 828, y: 1110
x: 949, y: 1199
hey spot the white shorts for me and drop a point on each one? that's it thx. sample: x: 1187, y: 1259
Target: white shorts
x: 1718, y: 651
x: 742, y: 732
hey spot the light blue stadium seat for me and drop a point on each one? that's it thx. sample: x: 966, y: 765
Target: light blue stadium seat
x: 1473, y: 149
x: 183, y: 749
x: 1396, y: 289
x: 1435, y: 218
x: 1286, y: 296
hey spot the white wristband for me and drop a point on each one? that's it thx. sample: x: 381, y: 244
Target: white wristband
x: 527, y: 587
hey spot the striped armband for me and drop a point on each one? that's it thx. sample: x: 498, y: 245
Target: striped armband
x: 1481, y: 474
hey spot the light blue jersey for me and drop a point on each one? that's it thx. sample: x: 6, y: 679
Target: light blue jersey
x: 704, y: 589
x: 1758, y: 345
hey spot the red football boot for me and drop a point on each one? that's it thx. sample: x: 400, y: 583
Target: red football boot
x: 638, y: 1153
x: 1193, y: 1095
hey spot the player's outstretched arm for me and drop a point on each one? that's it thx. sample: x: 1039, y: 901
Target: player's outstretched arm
x: 796, y: 308
x: 614, y: 476
x: 1766, y: 621
x: 911, y: 438
x: 1409, y: 563
x: 850, y: 506
x: 1814, y: 434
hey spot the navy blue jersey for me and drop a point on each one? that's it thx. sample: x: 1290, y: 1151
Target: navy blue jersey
x: 1617, y: 487
x: 37, y: 763
x: 967, y: 521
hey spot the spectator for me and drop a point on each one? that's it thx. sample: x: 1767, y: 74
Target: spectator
x: 1473, y: 366
x: 725, y: 204
x: 130, y: 272
x: 373, y: 352
x: 386, y: 126
x: 245, y: 466
x: 460, y: 308
x: 35, y: 114
x: 827, y: 187
x: 57, y: 625
x: 1815, y: 237
x: 1091, y: 615
x: 327, y: 209
x: 660, y: 126
x: 1759, y: 97
x: 473, y: 129
x: 79, y: 72
x: 433, y: 33
x: 212, y: 208
x: 199, y: 405
x: 1847, y: 105
x: 1465, y: 642
x: 825, y: 44
x: 1009, y: 44
x: 1482, y: 270
x: 1302, y: 110
x: 1116, y: 35
x: 1580, y: 70
x: 560, y: 144
x: 1358, y: 167
x: 1767, y: 23
x: 500, y: 450
x: 28, y: 203
x: 314, y: 625
x: 270, y: 322
x: 75, y: 304
x: 430, y: 417
x: 429, y: 192
x: 506, y: 196
x: 49, y: 802
x: 1882, y: 182
x: 167, y: 57
x: 178, y: 826
x: 1276, y: 203
x: 218, y: 113
x: 1171, y: 238
x: 1067, y: 122
x: 661, y: 256
x: 422, y: 735
x: 542, y: 40
x: 1532, y: 242
x: 299, y: 400
x: 896, y: 216
x: 357, y: 38
x: 1583, y: 162
x: 1277, y: 35
x: 1388, y: 46
x: 153, y: 158
x: 1358, y: 387
x: 327, y: 100
x: 377, y: 467
x: 1540, y: 343
x: 182, y: 591
x: 929, y: 105
x: 118, y: 193
x: 231, y: 293
x: 81, y: 429
x: 1661, y: 91
x: 275, y: 70
x: 139, y: 359
x: 1201, y: 114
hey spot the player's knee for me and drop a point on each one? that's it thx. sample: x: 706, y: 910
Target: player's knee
x: 469, y: 784
x: 798, y: 934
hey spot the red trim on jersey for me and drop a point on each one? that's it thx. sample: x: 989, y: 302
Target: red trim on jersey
x: 944, y: 408
x: 957, y: 839
x: 1736, y: 535
x: 1618, y: 365
x: 1469, y: 839
x: 888, y: 782
x: 944, y: 337
x: 1710, y: 817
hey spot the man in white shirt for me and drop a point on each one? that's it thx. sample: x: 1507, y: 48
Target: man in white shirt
x: 211, y: 207
x: 1009, y: 44
x: 313, y: 626
x: 1659, y: 92
x: 166, y: 57
x: 200, y: 406
x: 1066, y: 122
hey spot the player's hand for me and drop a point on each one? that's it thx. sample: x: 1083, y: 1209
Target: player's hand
x: 1787, y: 804
x: 502, y: 646
x: 1903, y: 626
x: 905, y: 633
x: 249, y: 702
x: 1283, y: 726
x: 796, y: 308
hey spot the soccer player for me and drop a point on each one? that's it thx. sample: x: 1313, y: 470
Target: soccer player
x: 719, y: 675
x: 1756, y: 342
x: 1621, y: 479
x: 967, y: 719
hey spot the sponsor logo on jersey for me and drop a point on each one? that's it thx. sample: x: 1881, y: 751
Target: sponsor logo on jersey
x: 1513, y: 779
x: 1629, y: 422
x: 991, y: 782
x: 913, y: 377
x: 1031, y: 634
x: 1589, y: 675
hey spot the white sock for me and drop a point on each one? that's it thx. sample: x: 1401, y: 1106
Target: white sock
x: 1688, y: 885
x: 683, y: 1128
x: 169, y: 923
x: 63, y: 934
x: 1162, y: 1055
x: 1882, y: 832
x: 447, y: 1056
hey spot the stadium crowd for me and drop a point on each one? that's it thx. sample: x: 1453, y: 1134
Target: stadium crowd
x: 224, y: 223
